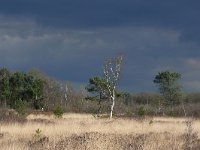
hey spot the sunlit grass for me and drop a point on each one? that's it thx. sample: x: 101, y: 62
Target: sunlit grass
x: 56, y: 129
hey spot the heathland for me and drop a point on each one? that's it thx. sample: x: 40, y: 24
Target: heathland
x: 82, y: 131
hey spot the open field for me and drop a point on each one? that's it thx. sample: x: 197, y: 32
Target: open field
x: 81, y: 131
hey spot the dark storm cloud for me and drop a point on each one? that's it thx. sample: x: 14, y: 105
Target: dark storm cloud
x: 89, y: 13
x: 70, y: 39
x: 182, y: 15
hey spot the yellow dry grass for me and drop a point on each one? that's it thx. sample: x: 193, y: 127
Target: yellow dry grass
x: 16, y: 135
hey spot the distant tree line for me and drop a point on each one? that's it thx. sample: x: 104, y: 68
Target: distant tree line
x: 34, y: 90
x: 169, y: 101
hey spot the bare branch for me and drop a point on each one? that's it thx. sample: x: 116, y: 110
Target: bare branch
x: 111, y: 70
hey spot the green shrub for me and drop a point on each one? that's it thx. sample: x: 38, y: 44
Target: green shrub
x: 58, y: 112
x: 21, y: 107
x: 141, y: 111
x: 37, y: 135
x: 150, y: 122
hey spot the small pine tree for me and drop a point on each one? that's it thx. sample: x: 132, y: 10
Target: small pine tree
x: 21, y: 107
x: 58, y: 112
x: 141, y: 111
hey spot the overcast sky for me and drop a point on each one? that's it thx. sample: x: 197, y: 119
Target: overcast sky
x: 70, y: 39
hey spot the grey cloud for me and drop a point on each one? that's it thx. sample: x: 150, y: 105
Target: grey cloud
x: 179, y: 15
x: 191, y: 74
x: 77, y: 54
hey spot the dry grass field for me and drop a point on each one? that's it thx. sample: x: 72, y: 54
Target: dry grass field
x: 84, y: 132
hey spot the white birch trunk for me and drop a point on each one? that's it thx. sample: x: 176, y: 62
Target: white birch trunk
x: 112, y: 105
x: 66, y: 95
x: 111, y: 108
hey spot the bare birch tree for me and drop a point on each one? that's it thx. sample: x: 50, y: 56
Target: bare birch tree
x: 112, y: 70
x: 66, y: 95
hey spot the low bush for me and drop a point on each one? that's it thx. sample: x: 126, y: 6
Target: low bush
x: 141, y: 111
x: 21, y: 107
x: 58, y: 112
